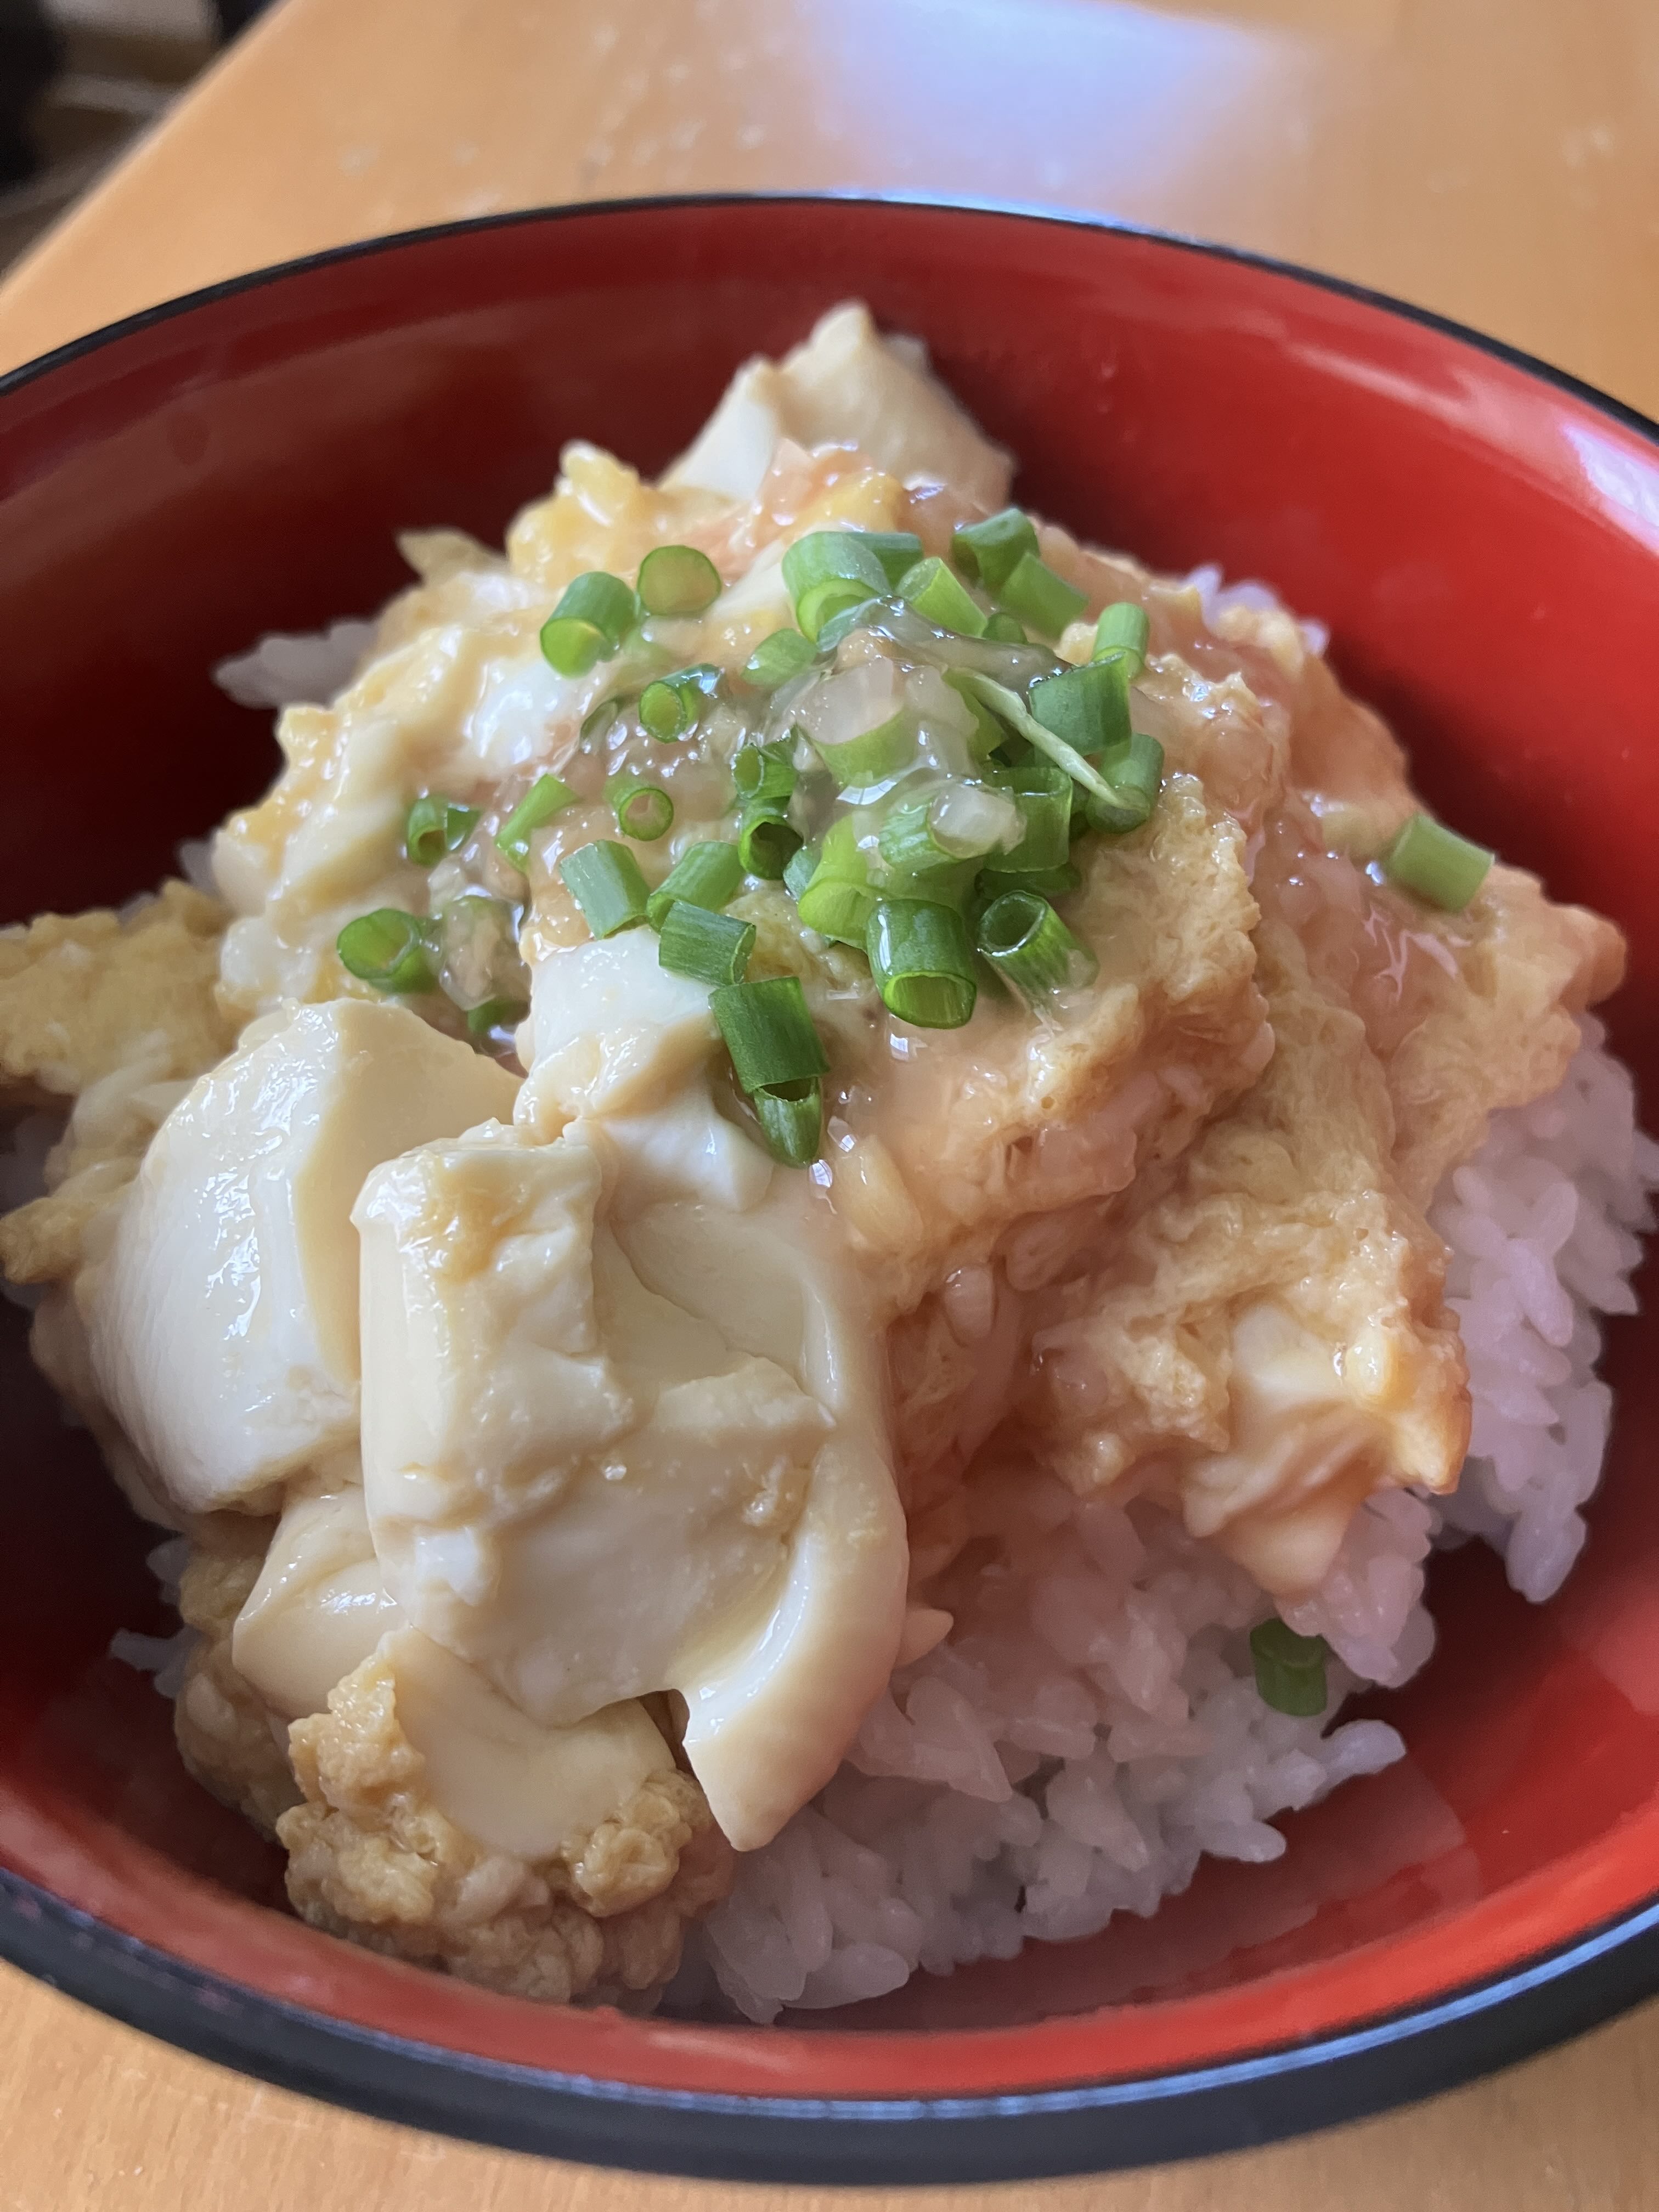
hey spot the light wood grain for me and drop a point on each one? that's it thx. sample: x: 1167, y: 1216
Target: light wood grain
x: 1497, y: 160
x: 92, y: 2116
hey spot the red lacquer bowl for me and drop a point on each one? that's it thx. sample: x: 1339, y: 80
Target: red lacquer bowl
x: 1482, y: 536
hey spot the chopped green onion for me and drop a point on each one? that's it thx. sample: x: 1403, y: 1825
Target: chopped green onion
x: 837, y: 908
x: 495, y: 1014
x: 989, y: 552
x: 1136, y: 774
x: 592, y: 617
x: 704, y: 875
x: 1042, y: 793
x: 922, y: 962
x: 606, y: 882
x: 643, y: 810
x: 907, y: 843
x: 662, y: 711
x: 672, y: 704
x: 1033, y: 592
x: 837, y: 605
x: 987, y: 733
x: 766, y: 843
x: 1047, y: 883
x: 1088, y: 707
x: 768, y: 1033
x: 842, y: 624
x: 799, y: 869
x: 677, y: 579
x: 1030, y: 947
x: 838, y: 901
x: 1013, y: 710
x: 1002, y: 629
x: 598, y: 723
x: 764, y: 771
x: 546, y: 798
x: 828, y: 571
x: 897, y: 551
x: 1438, y: 863
x: 389, y: 949
x: 436, y: 826
x: 938, y: 596
x: 776, y: 658
x: 958, y: 822
x: 791, y: 1116
x: 873, y: 755
x: 1289, y: 1670
x: 1122, y: 634
x: 713, y: 948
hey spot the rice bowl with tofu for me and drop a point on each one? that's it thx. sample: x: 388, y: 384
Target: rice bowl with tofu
x: 809, y: 1233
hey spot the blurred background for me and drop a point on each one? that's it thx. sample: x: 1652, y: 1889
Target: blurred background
x: 79, y: 79
x: 1496, y: 159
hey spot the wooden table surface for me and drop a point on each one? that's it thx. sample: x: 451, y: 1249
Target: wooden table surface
x: 1497, y: 160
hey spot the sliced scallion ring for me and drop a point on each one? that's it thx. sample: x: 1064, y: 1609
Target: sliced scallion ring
x: 436, y: 826
x: 764, y: 771
x: 768, y: 1033
x: 873, y: 755
x: 643, y: 810
x: 1289, y: 1670
x: 1438, y: 863
x: 546, y: 798
x: 827, y: 571
x: 1135, y: 772
x: 1046, y: 602
x: 1002, y: 628
x: 837, y: 899
x: 776, y: 658
x: 1042, y: 793
x: 957, y: 822
x: 389, y: 949
x: 671, y: 705
x: 799, y: 869
x: 1089, y: 707
x: 1012, y: 709
x: 604, y: 880
x: 989, y: 552
x: 1030, y: 947
x: 1047, y: 883
x: 791, y: 1116
x: 939, y: 597
x: 704, y: 875
x: 1123, y: 633
x: 677, y: 579
x: 766, y: 842
x: 712, y: 948
x: 922, y: 962
x: 897, y: 551
x: 845, y: 620
x: 594, y: 614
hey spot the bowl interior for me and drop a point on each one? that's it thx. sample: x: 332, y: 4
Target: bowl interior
x: 1483, y: 544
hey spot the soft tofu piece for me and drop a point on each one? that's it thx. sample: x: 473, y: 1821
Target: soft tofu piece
x: 319, y: 1608
x: 846, y: 385
x: 611, y: 1030
x: 619, y: 1437
x: 222, y: 1322
x: 514, y: 1784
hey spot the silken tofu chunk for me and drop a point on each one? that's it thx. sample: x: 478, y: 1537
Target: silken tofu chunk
x: 222, y: 1321
x: 598, y: 1459
x: 611, y: 1030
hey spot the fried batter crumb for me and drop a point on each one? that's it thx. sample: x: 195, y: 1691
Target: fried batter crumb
x: 371, y: 1858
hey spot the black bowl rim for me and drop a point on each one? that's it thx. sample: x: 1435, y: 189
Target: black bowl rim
x: 1261, y: 2097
